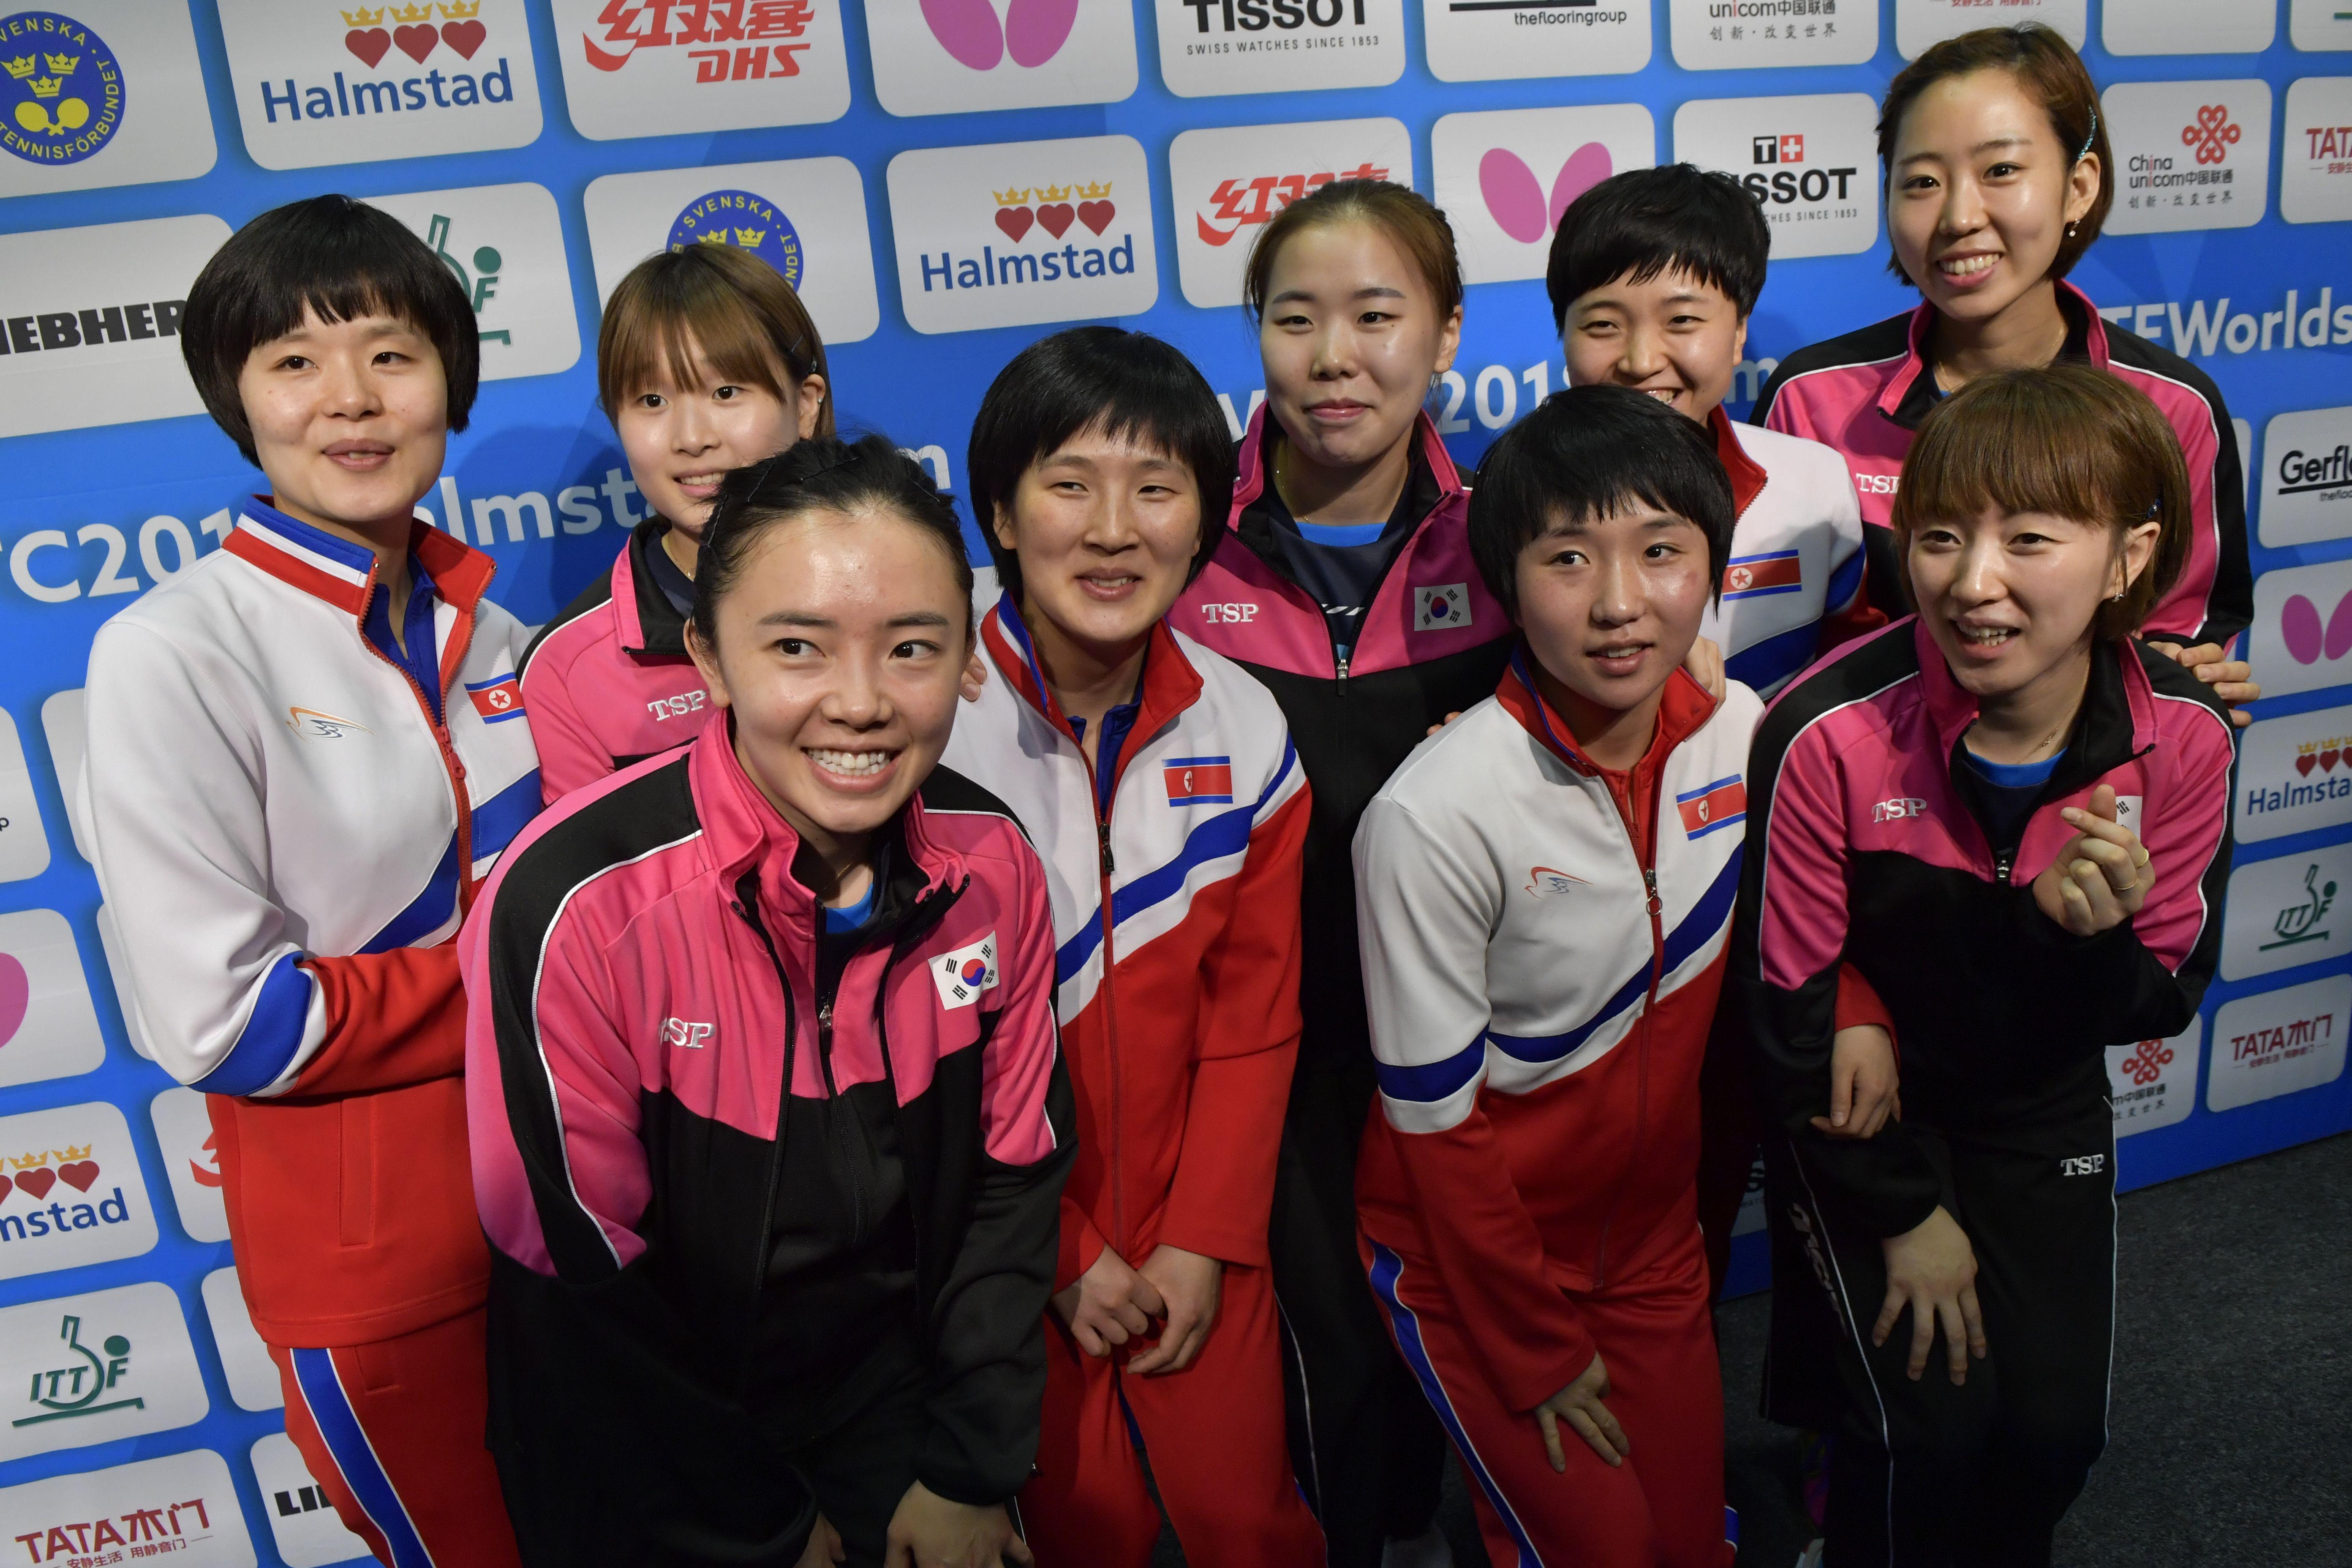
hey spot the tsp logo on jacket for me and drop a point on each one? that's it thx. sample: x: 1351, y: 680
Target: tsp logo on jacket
x: 964, y: 974
x: 1722, y: 804
x: 1442, y: 607
x: 498, y: 699
x: 1199, y: 781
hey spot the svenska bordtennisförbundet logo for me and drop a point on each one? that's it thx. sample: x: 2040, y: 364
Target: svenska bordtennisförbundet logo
x: 63, y: 92
x: 746, y: 222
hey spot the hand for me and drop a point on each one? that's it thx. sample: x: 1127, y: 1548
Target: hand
x: 1932, y: 1269
x: 2101, y: 878
x: 2232, y: 679
x: 1580, y: 1405
x: 975, y: 674
x: 1110, y: 1304
x: 928, y: 1531
x: 824, y: 1548
x: 1862, y: 1082
x: 1441, y: 724
x: 1189, y: 1284
x: 1705, y: 665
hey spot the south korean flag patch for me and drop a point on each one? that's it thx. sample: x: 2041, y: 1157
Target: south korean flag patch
x: 1443, y: 607
x: 964, y: 974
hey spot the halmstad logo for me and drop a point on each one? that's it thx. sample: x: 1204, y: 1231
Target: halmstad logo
x: 746, y: 222
x: 36, y: 1176
x: 743, y: 40
x: 64, y: 92
x: 417, y: 36
x: 1026, y: 208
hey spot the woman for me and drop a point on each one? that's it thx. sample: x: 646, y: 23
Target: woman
x: 1999, y: 173
x: 1346, y: 586
x: 2013, y: 819
x: 769, y: 1122
x: 706, y: 361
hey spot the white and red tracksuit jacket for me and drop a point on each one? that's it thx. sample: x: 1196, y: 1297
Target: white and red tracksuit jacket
x: 288, y: 838
x: 642, y: 978
x: 1543, y: 948
x: 609, y: 680
x: 1867, y: 850
x: 1792, y: 588
x: 1865, y: 394
x: 1176, y: 924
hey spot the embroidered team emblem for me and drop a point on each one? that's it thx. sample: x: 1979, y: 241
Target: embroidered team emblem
x: 964, y: 974
x: 1199, y: 781
x: 313, y: 725
x: 497, y: 701
x: 1545, y: 882
x: 1722, y: 804
x: 1442, y: 607
x: 1754, y: 576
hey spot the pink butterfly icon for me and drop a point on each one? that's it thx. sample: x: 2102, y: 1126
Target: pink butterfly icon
x: 2305, y: 637
x: 1033, y: 31
x: 1516, y: 199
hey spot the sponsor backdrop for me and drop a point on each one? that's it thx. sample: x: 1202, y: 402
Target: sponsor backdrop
x: 944, y: 180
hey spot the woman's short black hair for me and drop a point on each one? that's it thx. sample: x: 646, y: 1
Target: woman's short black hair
x: 1647, y: 221
x: 342, y: 258
x: 823, y: 473
x: 1132, y: 386
x: 1582, y: 455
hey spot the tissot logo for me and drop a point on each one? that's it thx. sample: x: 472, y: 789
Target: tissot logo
x: 1811, y: 162
x: 73, y: 1193
x: 105, y: 92
x: 2185, y: 27
x: 947, y: 56
x: 184, y: 1505
x: 806, y: 217
x: 2279, y: 1041
x: 84, y: 1369
x: 2153, y: 1083
x: 1022, y: 232
x: 1212, y: 46
x: 654, y: 68
x: 1228, y: 183
x: 2191, y: 155
x: 320, y: 84
x: 97, y: 341
x: 2307, y: 480
x: 1504, y: 176
x: 2295, y: 775
x: 1921, y: 23
x: 47, y: 1027
x: 1723, y: 35
x: 2315, y: 159
x: 1492, y: 40
x: 504, y: 244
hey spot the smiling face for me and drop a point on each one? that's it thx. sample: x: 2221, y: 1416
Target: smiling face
x: 1351, y: 337
x: 841, y: 646
x: 1106, y: 531
x: 1980, y: 194
x: 1674, y: 337
x: 349, y: 420
x: 1611, y: 607
x: 680, y: 440
x: 2009, y: 598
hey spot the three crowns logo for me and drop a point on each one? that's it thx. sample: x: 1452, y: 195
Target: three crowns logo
x: 414, y: 30
x: 1054, y: 214
x: 35, y: 1173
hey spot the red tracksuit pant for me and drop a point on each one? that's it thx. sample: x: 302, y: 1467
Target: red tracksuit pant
x: 393, y: 1432
x: 1663, y: 1507
x: 1213, y: 1435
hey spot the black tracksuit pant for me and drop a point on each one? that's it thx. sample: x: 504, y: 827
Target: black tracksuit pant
x: 1925, y: 1475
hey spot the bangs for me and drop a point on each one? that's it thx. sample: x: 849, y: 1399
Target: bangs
x: 2043, y: 464
x: 738, y: 311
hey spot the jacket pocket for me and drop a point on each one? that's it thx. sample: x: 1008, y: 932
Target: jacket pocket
x: 355, y: 1211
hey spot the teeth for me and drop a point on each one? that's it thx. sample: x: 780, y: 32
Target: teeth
x: 1663, y: 394
x: 1968, y: 267
x: 1988, y: 637
x: 850, y: 765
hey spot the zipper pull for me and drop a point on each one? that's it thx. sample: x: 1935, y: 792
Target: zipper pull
x: 1650, y: 881
x: 1102, y: 835
x: 1342, y: 664
x: 2001, y: 865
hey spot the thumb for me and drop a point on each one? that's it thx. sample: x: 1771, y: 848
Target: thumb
x: 1145, y: 1295
x: 2103, y: 803
x: 1841, y: 1095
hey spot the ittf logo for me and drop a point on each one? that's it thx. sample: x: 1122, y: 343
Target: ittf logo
x: 1779, y: 150
x: 1710, y: 807
x: 1199, y: 781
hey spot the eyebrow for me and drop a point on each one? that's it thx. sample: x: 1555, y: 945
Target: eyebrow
x: 1377, y: 291
x: 1985, y: 146
x: 826, y: 623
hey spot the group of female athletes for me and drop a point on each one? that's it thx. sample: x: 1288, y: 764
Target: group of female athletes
x: 798, y: 1062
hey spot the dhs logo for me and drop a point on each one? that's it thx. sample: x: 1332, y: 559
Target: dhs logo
x: 61, y: 90
x: 745, y: 221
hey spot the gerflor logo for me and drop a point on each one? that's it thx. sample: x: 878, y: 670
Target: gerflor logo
x: 728, y: 40
x: 745, y: 221
x: 62, y: 91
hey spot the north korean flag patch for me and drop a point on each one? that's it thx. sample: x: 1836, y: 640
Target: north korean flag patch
x: 1723, y: 803
x: 964, y: 974
x: 497, y: 701
x: 1199, y: 781
x: 1754, y: 576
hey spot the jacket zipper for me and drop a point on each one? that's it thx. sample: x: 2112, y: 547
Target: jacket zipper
x: 1110, y: 1033
x: 1649, y: 1017
x: 840, y: 1133
x: 461, y: 640
x: 746, y: 906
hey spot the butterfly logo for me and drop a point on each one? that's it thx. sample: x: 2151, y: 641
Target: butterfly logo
x: 1515, y: 198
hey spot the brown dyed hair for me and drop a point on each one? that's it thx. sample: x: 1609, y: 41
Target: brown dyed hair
x: 1400, y: 211
x: 738, y: 308
x: 2067, y: 441
x: 2048, y: 71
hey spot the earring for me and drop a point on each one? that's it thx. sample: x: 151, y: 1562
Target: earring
x: 2118, y: 596
x: 2070, y: 230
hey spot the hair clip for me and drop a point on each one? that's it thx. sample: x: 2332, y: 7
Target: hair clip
x: 2155, y: 509
x: 2089, y: 136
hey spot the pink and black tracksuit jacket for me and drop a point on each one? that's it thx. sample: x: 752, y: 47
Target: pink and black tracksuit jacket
x: 646, y: 1027
x: 1865, y: 394
x: 609, y: 681
x: 1865, y: 846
